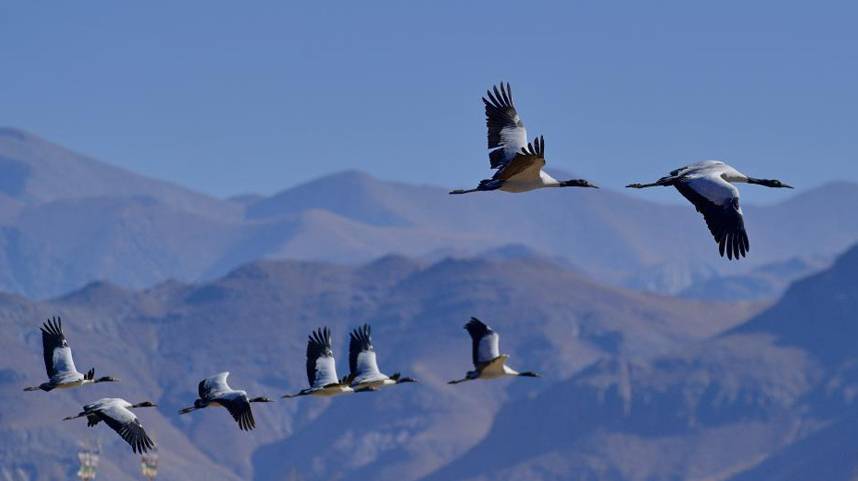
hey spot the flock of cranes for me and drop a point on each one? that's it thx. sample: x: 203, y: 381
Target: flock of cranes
x: 518, y: 168
x: 708, y: 185
x: 364, y: 376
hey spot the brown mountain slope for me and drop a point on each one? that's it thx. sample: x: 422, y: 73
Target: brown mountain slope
x: 773, y: 398
x: 254, y: 323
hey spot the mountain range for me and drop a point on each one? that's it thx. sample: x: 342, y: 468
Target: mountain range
x: 67, y: 220
x: 636, y: 386
x: 773, y: 398
x: 254, y: 321
x: 750, y: 371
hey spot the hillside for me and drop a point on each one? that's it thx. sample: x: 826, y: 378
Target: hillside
x: 254, y: 321
x: 773, y: 398
x: 767, y: 281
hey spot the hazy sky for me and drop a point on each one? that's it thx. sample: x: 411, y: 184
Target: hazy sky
x: 230, y: 97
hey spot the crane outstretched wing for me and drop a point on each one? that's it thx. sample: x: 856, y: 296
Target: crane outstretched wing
x: 362, y: 361
x: 239, y: 408
x: 129, y: 428
x: 55, y: 349
x: 321, y: 367
x: 718, y: 201
x: 211, y: 386
x: 506, y: 132
x: 484, y: 342
x: 527, y: 164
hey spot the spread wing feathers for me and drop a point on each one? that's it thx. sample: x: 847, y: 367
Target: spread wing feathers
x: 55, y: 348
x: 507, y: 134
x: 211, y: 386
x: 362, y: 361
x: 129, y: 428
x: 239, y: 408
x: 367, y: 369
x: 321, y: 368
x: 526, y: 164
x: 723, y: 217
x: 484, y: 342
x: 325, y: 373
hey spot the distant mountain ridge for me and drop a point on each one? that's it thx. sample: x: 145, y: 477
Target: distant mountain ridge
x: 66, y: 220
x: 764, y: 282
x: 35, y: 171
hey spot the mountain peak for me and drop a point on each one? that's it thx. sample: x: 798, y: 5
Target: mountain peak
x: 36, y: 171
x: 17, y: 134
x: 817, y: 313
x: 97, y: 291
x: 347, y: 175
x: 352, y: 194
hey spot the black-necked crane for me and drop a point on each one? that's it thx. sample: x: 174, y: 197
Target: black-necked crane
x: 518, y: 163
x: 364, y: 374
x: 709, y: 186
x: 116, y: 413
x: 59, y: 363
x: 321, y: 368
x: 489, y: 363
x: 214, y: 391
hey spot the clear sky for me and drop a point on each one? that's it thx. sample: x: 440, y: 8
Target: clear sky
x: 236, y: 97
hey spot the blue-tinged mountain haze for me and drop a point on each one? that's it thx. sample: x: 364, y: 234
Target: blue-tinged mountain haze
x: 67, y: 219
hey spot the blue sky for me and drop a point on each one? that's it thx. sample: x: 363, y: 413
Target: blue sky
x: 232, y: 98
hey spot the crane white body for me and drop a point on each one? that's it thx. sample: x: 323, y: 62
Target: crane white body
x: 709, y: 186
x: 215, y: 391
x: 489, y: 363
